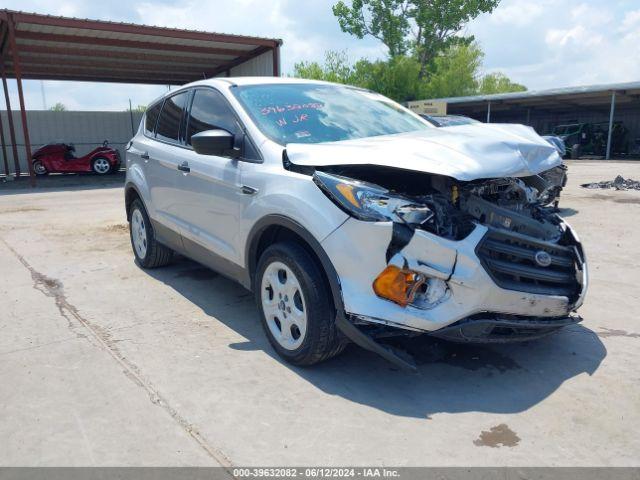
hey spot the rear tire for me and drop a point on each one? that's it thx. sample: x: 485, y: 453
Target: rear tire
x: 295, y: 305
x: 149, y: 253
x: 39, y: 168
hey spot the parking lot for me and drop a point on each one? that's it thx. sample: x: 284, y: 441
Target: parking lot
x: 102, y: 363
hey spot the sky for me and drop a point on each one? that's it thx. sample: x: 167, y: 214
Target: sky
x: 539, y: 43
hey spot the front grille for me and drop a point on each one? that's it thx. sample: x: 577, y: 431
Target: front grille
x: 510, y: 260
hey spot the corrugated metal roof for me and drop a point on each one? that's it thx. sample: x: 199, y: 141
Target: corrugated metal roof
x: 63, y: 48
x: 553, y: 92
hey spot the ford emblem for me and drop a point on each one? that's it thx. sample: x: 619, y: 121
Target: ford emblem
x: 542, y: 258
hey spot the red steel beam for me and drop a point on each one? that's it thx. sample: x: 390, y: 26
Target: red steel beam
x: 12, y: 130
x: 4, y: 149
x: 42, y: 63
x: 111, y: 79
x: 117, y: 42
x: 49, y: 50
x: 23, y: 111
x: 107, y: 76
x: 22, y: 17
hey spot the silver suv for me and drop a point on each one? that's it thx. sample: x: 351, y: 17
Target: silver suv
x: 353, y: 219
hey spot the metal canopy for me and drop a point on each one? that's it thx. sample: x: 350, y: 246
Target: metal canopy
x: 44, y: 47
x: 59, y: 48
x: 593, y: 97
x: 552, y: 99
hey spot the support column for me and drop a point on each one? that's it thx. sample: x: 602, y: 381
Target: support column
x: 23, y: 111
x: 489, y: 112
x: 276, y: 60
x: 612, y: 112
x: 12, y: 130
x: 4, y: 149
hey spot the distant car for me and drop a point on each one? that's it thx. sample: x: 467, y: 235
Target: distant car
x: 60, y: 158
x: 448, y: 120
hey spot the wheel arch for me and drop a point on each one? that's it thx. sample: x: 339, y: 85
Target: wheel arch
x: 131, y: 193
x: 274, y: 228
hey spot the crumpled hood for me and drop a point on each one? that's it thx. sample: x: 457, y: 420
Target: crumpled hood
x: 464, y: 152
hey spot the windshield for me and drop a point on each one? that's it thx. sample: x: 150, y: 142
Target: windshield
x: 314, y: 113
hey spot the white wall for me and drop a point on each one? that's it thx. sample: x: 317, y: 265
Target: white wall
x: 84, y: 129
x: 260, y: 66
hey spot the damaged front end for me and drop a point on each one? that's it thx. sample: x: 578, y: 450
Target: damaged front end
x: 474, y: 261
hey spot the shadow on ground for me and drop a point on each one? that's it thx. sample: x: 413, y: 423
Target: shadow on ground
x: 567, y: 212
x: 452, y: 378
x: 62, y: 183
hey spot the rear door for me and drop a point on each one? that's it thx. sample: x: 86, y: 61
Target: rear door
x: 209, y: 186
x: 163, y: 156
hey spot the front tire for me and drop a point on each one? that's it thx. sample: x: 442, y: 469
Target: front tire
x: 100, y: 166
x: 295, y: 305
x: 149, y: 253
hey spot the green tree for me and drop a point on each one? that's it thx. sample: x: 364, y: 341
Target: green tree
x: 139, y: 109
x: 336, y: 68
x: 397, y: 78
x: 58, y: 107
x: 424, y: 28
x: 455, y: 72
x: 498, y: 83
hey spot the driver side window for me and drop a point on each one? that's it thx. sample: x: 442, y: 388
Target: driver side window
x: 209, y: 111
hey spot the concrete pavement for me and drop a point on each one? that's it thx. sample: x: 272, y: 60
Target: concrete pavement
x: 102, y: 363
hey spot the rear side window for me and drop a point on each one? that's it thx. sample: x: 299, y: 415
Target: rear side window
x: 151, y: 117
x: 171, y: 117
x: 209, y: 111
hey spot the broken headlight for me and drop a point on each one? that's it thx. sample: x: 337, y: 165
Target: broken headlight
x: 370, y: 202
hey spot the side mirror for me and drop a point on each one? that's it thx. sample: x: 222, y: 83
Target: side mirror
x: 215, y: 142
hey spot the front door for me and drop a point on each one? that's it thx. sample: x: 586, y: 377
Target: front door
x: 209, y: 187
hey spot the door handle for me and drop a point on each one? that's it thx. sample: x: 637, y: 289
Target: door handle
x: 247, y: 190
x: 184, y: 167
x: 145, y: 155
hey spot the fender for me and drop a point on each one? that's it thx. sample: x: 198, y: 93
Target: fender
x: 351, y: 331
x: 251, y: 250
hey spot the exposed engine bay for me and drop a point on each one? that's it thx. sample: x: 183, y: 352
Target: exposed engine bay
x: 526, y: 249
x: 449, y: 208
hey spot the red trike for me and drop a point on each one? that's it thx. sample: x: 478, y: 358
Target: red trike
x: 60, y: 158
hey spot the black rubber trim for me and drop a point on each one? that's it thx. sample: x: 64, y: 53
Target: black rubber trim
x: 480, y: 328
x: 363, y: 340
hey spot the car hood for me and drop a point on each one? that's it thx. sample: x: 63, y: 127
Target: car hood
x: 464, y: 152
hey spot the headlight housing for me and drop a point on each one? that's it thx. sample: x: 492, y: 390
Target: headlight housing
x: 370, y: 202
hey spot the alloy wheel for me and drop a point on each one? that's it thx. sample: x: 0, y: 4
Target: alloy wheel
x: 101, y: 165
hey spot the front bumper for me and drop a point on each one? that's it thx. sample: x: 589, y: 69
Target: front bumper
x: 357, y: 250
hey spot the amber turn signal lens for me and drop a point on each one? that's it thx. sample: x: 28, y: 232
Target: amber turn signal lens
x: 398, y: 285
